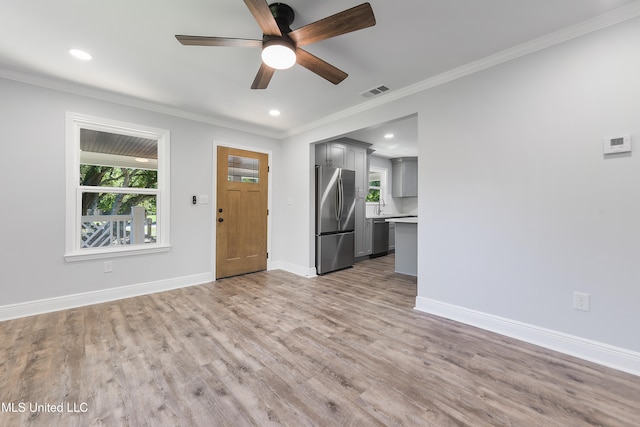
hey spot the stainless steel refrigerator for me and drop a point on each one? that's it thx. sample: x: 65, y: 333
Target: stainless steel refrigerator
x: 335, y: 218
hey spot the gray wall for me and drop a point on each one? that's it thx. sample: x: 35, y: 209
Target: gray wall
x: 32, y: 172
x: 523, y: 207
x: 518, y: 206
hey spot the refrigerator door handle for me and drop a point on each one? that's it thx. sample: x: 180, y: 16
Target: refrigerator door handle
x: 338, y: 200
x: 341, y: 198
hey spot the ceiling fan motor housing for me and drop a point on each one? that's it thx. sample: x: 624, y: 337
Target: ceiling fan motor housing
x: 283, y: 15
x: 281, y: 40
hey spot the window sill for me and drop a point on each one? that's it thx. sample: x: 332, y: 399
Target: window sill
x: 92, y: 254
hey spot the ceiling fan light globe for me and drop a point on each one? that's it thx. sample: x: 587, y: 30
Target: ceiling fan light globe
x: 278, y: 56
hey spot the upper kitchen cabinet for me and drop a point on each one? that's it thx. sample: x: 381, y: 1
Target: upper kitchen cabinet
x: 405, y: 177
x: 332, y: 154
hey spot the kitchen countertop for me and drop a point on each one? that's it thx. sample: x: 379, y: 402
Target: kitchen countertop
x: 390, y: 216
x: 405, y: 220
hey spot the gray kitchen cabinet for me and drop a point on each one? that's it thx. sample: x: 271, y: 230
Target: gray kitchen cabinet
x: 405, y: 177
x: 362, y: 236
x: 332, y: 154
x: 360, y: 248
x: 368, y: 234
x: 392, y: 236
x: 357, y: 158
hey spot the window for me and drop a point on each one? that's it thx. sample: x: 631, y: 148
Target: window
x: 243, y: 169
x: 117, y: 188
x: 377, y: 185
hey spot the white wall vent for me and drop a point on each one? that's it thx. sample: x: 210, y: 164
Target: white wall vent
x: 375, y: 91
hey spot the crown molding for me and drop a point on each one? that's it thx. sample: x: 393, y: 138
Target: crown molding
x: 585, y: 27
x: 128, y: 101
x: 569, y: 33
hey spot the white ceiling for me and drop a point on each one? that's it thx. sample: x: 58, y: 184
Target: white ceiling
x: 404, y: 140
x: 136, y: 55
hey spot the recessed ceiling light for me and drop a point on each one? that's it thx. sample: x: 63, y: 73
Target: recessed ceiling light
x: 141, y: 160
x: 388, y: 136
x: 80, y: 54
x: 274, y: 113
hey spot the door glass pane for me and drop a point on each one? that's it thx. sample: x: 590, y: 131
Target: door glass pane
x: 243, y: 169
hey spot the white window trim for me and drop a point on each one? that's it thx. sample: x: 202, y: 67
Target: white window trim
x: 383, y: 183
x: 75, y: 122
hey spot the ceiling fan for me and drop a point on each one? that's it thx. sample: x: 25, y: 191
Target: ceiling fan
x: 282, y: 47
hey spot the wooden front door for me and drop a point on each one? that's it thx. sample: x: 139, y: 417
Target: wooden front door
x: 241, y: 214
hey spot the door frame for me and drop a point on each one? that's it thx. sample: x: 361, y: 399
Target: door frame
x: 214, y: 199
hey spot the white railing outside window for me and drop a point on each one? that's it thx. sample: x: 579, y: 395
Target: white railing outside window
x: 113, y: 230
x: 116, y: 167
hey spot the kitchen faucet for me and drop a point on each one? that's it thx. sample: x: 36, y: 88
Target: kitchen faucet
x: 380, y: 199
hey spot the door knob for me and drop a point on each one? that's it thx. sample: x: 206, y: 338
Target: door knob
x: 220, y: 219
x: 220, y: 210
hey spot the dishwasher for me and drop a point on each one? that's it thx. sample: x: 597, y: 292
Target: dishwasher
x: 380, y: 237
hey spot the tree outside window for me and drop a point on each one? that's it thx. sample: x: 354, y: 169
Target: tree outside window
x: 117, y: 179
x: 117, y: 204
x: 377, y: 184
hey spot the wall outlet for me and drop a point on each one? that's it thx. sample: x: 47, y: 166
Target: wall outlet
x: 581, y: 301
x: 108, y: 266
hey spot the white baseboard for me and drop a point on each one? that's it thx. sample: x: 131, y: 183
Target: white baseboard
x: 593, y: 351
x: 30, y: 308
x: 293, y: 268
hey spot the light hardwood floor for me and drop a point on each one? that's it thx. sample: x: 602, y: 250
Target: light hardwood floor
x: 271, y: 348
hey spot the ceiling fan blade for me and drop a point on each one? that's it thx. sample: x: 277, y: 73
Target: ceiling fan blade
x: 218, y: 41
x: 263, y: 77
x: 353, y: 19
x: 320, y: 67
x: 263, y: 16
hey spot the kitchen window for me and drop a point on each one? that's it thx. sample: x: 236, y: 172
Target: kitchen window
x: 377, y: 185
x: 117, y: 188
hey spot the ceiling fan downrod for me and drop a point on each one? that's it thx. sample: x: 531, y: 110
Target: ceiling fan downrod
x: 283, y: 15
